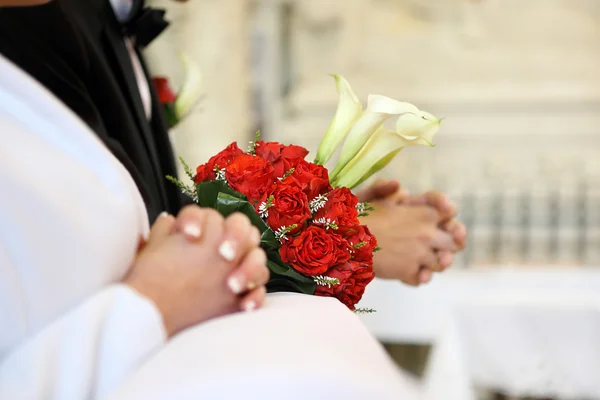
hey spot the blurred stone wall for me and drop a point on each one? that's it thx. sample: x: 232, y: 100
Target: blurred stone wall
x: 518, y: 83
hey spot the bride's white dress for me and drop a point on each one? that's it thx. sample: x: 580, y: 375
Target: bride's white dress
x: 71, y: 222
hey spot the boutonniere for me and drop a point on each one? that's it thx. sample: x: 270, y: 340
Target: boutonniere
x: 178, y: 105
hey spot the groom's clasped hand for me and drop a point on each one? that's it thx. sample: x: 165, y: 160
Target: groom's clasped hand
x: 199, y: 266
x: 419, y: 235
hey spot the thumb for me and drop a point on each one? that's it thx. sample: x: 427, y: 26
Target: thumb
x: 162, y: 227
x: 437, y: 200
x: 379, y: 190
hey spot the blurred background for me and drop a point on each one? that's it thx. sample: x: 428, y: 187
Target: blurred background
x: 518, y: 83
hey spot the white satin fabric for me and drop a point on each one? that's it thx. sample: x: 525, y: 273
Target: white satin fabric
x: 71, y: 220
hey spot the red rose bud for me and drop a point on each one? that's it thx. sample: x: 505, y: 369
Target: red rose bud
x: 353, y: 277
x: 314, y: 251
x: 251, y: 176
x: 283, y: 158
x: 362, y: 242
x: 165, y: 93
x: 206, y: 172
x: 272, y: 151
x: 286, y: 206
x: 312, y: 178
x: 339, y: 209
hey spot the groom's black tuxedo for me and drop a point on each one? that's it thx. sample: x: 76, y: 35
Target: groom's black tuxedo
x: 76, y: 49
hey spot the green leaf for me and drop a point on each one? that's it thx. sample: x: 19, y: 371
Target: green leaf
x: 219, y: 196
x: 170, y: 114
x: 285, y: 277
x: 208, y: 192
x: 227, y: 204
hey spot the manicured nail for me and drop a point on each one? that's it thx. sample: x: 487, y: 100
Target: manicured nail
x: 249, y: 306
x: 192, y: 230
x: 235, y: 285
x: 227, y: 251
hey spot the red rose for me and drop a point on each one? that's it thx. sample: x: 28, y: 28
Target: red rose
x: 164, y: 91
x: 314, y: 251
x: 250, y: 176
x: 287, y: 207
x: 271, y: 151
x: 206, y: 172
x: 353, y: 278
x: 312, y: 178
x: 339, y: 209
x: 283, y: 158
x: 361, y: 241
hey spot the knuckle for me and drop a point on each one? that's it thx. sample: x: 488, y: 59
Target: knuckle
x: 189, y: 211
x: 210, y: 213
x: 238, y: 223
x: 430, y: 214
x: 426, y: 235
x: 238, y: 218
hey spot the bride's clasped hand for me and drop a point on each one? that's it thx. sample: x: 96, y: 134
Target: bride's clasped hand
x: 198, y: 266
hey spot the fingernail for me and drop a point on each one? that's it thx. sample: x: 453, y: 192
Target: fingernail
x: 163, y: 214
x: 251, y: 286
x: 235, y: 285
x: 227, y: 251
x: 249, y: 306
x: 192, y: 230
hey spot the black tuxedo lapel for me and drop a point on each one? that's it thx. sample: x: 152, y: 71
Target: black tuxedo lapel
x: 77, y: 50
x: 115, y: 43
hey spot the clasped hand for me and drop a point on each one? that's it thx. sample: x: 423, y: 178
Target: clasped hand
x: 199, y: 266
x: 418, y: 235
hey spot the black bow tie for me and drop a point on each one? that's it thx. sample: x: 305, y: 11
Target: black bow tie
x: 145, y: 23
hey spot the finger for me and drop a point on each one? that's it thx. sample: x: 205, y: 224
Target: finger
x: 384, y: 188
x: 425, y: 275
x: 163, y: 227
x: 251, y: 273
x: 255, y: 236
x: 458, y: 231
x: 238, y: 238
x: 426, y: 213
x: 381, y: 189
x: 192, y: 222
x: 445, y: 259
x: 429, y: 259
x: 253, y: 300
x: 437, y: 200
x: 442, y: 240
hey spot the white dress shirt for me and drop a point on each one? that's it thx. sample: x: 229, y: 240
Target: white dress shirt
x: 122, y: 9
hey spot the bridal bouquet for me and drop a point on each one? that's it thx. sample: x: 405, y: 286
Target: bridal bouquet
x: 308, y: 216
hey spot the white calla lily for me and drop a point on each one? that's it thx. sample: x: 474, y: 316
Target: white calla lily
x: 379, y: 109
x: 191, y: 90
x: 411, y: 129
x: 421, y: 126
x: 348, y: 110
